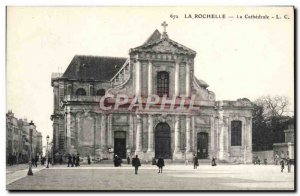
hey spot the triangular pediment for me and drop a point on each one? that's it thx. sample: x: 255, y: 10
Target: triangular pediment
x: 163, y: 45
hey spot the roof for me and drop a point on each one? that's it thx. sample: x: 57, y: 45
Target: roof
x: 98, y: 68
x: 156, y: 35
x: 162, y: 44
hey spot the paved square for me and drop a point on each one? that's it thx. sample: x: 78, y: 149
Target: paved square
x: 174, y: 177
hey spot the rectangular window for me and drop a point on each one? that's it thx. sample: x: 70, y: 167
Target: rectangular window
x: 162, y: 83
x: 236, y: 133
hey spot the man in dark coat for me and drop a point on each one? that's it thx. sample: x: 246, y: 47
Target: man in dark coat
x: 36, y: 160
x: 128, y: 160
x: 195, y: 161
x: 136, y: 163
x: 116, y: 161
x: 160, y: 164
x: 213, y: 161
x: 89, y: 159
x: 77, y: 160
x: 70, y: 161
x: 289, y: 164
x: 73, y: 160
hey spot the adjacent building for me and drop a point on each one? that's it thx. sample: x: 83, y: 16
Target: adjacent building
x: 162, y: 67
x: 286, y: 149
x: 18, y: 139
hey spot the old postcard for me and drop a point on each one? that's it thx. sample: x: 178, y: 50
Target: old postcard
x: 150, y: 98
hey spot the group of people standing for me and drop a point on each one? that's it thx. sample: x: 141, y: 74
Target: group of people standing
x: 196, y: 162
x: 73, y: 160
x: 136, y: 163
x: 288, y: 162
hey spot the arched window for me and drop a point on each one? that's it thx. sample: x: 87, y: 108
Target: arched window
x: 100, y: 92
x: 80, y: 91
x: 162, y: 83
x: 236, y: 133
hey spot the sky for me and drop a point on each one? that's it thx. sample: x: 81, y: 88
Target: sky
x: 237, y: 57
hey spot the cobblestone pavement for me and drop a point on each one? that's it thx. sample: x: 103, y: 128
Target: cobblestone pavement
x: 174, y: 177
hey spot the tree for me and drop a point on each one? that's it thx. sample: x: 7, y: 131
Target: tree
x: 269, y: 121
x: 276, y: 106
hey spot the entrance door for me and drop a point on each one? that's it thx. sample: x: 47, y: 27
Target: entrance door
x: 120, y: 144
x: 163, y: 141
x: 202, y: 145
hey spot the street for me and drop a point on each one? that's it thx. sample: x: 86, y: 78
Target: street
x: 174, y: 177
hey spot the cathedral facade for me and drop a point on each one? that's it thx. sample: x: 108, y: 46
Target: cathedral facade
x: 161, y: 67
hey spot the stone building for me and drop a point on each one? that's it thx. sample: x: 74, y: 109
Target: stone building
x: 286, y: 149
x: 160, y: 66
x: 18, y: 139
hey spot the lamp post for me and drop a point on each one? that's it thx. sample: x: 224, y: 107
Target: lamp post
x: 31, y: 127
x: 47, y: 151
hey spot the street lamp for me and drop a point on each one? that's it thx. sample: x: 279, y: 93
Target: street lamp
x: 47, y: 152
x: 31, y: 127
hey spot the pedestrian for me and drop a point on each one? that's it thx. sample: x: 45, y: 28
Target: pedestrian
x: 42, y: 161
x: 36, y: 160
x: 265, y: 161
x: 120, y: 161
x: 289, y: 164
x: 136, y: 164
x: 116, y: 161
x: 70, y: 162
x: 128, y: 160
x: 33, y: 161
x: 213, y: 162
x: 153, y: 161
x: 89, y: 159
x: 282, y: 165
x: 77, y: 160
x: 258, y: 161
x: 73, y: 160
x: 160, y: 164
x: 195, y: 161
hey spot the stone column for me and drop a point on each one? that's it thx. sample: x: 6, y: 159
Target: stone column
x: 130, y: 142
x: 150, y: 88
x: 150, y: 150
x: 68, y: 133
x: 138, y: 140
x: 138, y: 78
x: 103, y: 133
x: 221, y: 135
x: 250, y: 141
x: 225, y: 139
x: 176, y: 79
x: 188, y: 151
x: 188, y: 80
x: 212, y: 138
x: 177, y: 154
x: 109, y: 131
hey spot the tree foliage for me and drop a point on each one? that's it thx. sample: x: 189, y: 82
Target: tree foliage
x: 269, y: 121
